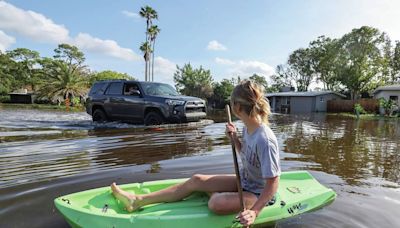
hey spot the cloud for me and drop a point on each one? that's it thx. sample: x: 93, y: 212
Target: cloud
x: 215, y: 46
x: 5, y: 41
x: 37, y: 27
x: 224, y: 61
x: 247, y: 68
x: 130, y: 14
x: 109, y: 47
x: 254, y: 67
x: 164, y: 70
x: 31, y: 24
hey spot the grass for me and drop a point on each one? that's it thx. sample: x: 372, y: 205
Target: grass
x: 367, y: 116
x: 42, y: 107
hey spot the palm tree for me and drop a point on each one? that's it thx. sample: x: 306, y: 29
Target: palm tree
x: 150, y: 14
x: 153, y: 32
x: 146, y: 49
x: 61, y: 80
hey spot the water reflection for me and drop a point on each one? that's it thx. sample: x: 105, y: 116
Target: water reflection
x: 63, y: 153
x: 352, y: 149
x: 95, y: 150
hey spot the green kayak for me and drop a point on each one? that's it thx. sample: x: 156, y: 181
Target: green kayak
x: 298, y: 192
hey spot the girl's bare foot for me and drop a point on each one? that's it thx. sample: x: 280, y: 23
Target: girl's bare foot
x: 130, y: 201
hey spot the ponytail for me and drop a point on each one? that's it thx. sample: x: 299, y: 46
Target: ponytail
x: 252, y: 100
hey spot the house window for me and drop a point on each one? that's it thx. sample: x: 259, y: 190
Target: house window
x: 288, y: 100
x: 394, y: 98
x: 321, y: 99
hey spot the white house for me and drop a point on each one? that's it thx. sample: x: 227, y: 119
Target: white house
x: 301, y: 102
x: 390, y: 92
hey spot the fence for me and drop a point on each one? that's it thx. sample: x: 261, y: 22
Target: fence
x: 369, y: 105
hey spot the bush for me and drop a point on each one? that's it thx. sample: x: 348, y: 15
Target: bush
x: 358, y: 109
x: 387, y: 105
x: 4, y: 98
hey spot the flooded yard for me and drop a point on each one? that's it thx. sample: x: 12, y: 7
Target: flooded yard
x: 45, y: 154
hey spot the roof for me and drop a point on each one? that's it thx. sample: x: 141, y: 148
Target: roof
x: 303, y: 94
x: 388, y: 88
x: 27, y: 94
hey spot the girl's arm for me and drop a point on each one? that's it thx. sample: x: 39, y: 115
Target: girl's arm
x: 271, y: 187
x: 238, y: 144
x: 248, y: 216
x: 231, y: 128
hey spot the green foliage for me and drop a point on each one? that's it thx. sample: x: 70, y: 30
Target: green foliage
x: 260, y: 80
x: 395, y: 64
x: 284, y: 76
x: 69, y: 54
x: 65, y: 76
x: 76, y: 101
x: 22, y: 68
x: 358, y: 109
x: 4, y: 98
x: 108, y: 75
x: 303, y: 63
x: 152, y: 31
x: 61, y: 80
x: 6, y: 77
x: 222, y: 91
x: 358, y: 62
x: 193, y: 82
x: 360, y: 59
x: 323, y: 53
x: 52, y: 79
x: 387, y: 105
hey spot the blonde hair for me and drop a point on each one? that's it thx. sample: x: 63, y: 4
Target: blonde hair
x: 252, y: 100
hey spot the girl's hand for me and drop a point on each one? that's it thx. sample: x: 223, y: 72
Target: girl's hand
x: 247, y: 217
x: 230, y: 128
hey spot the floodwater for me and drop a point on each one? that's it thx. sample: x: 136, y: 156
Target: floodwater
x: 45, y: 154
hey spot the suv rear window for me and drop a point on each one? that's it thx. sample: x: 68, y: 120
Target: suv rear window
x: 115, y: 88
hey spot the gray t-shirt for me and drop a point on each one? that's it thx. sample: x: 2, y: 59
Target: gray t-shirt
x: 260, y: 158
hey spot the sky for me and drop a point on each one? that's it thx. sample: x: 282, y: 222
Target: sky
x: 228, y: 37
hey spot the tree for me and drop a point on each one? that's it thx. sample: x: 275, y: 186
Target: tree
x: 149, y: 14
x: 284, y: 77
x: 221, y: 92
x: 323, y: 52
x: 65, y: 76
x: 302, y: 62
x: 359, y: 60
x: 22, y: 67
x: 260, y: 80
x: 108, y: 75
x: 6, y: 77
x: 153, y: 33
x: 146, y: 49
x: 193, y: 82
x: 60, y: 81
x: 395, y: 64
x: 69, y: 54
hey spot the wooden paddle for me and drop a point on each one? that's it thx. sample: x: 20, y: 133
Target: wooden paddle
x: 238, y: 183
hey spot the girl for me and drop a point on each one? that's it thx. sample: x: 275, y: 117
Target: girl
x: 260, y: 165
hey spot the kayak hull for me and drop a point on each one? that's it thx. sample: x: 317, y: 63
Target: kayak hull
x: 298, y: 193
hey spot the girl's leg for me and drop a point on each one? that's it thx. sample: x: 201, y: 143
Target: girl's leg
x: 224, y: 203
x: 198, y: 182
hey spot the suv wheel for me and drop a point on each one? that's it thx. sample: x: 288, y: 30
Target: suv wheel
x: 99, y: 116
x: 153, y: 118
